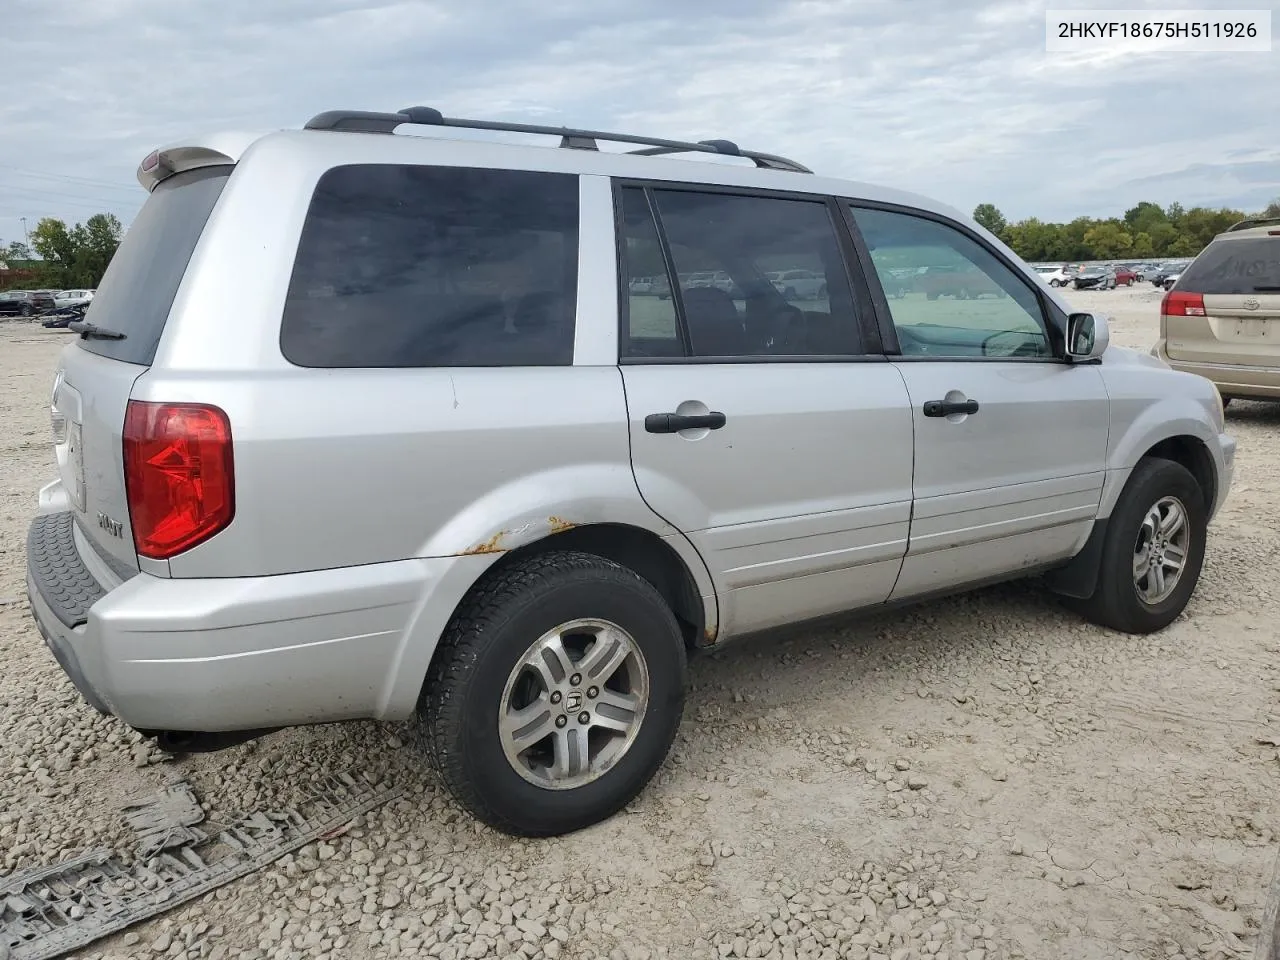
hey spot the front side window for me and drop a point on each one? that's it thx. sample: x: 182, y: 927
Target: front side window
x: 963, y: 302
x: 754, y: 276
x: 417, y: 266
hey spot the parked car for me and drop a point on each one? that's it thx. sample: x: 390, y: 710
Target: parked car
x: 962, y: 281
x: 60, y: 318
x: 1221, y: 318
x: 1171, y: 278
x: 1095, y: 278
x: 325, y: 455
x: 72, y: 298
x: 1163, y: 271
x: 1056, y: 276
x: 25, y: 303
x: 1125, y: 275
x: 899, y: 281
x: 799, y: 284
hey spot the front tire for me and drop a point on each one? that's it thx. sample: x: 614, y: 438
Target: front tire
x: 555, y: 693
x: 1153, y: 550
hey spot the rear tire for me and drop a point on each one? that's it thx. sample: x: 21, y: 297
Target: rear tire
x: 1143, y: 534
x: 494, y: 653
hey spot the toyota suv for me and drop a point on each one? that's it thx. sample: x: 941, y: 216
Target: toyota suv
x: 366, y: 421
x: 1221, y: 316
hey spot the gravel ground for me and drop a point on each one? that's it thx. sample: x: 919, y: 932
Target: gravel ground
x: 975, y: 779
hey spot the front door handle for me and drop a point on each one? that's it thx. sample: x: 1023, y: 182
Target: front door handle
x: 675, y: 422
x: 944, y: 408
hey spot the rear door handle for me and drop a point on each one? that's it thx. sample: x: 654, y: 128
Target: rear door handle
x: 944, y: 408
x: 675, y: 422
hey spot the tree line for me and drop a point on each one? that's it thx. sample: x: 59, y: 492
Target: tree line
x: 1146, y: 231
x: 60, y: 257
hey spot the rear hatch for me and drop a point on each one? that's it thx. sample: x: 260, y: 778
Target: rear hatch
x: 96, y: 373
x: 1225, y: 308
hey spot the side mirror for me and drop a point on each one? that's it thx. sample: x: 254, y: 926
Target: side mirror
x: 1087, y: 337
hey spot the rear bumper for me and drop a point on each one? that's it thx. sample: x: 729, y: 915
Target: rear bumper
x: 1232, y: 380
x: 228, y: 654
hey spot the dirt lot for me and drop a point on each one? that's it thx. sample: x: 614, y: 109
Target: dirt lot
x: 985, y: 777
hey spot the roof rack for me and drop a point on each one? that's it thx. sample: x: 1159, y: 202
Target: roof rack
x: 359, y: 121
x: 1256, y: 222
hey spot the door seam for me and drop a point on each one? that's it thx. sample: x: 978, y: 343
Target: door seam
x: 635, y: 481
x: 911, y: 513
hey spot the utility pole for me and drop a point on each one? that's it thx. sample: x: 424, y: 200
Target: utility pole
x: 26, y: 237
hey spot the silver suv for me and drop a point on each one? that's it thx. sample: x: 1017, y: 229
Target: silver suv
x: 371, y: 425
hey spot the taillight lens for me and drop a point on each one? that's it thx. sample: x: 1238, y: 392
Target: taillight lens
x: 1176, y: 303
x: 178, y: 475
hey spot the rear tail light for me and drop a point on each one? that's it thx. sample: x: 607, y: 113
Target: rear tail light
x: 1176, y: 303
x: 178, y: 475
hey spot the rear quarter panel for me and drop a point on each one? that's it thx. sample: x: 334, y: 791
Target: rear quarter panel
x: 342, y: 467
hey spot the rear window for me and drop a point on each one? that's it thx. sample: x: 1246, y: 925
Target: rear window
x: 138, y: 288
x: 1234, y: 267
x: 417, y: 266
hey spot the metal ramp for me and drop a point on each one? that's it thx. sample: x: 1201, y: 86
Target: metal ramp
x: 47, y: 911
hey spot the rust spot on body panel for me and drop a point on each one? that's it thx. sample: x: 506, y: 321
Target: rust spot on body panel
x: 710, y: 633
x: 559, y: 525
x: 492, y: 545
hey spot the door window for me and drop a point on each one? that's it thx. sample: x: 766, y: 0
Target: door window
x: 960, y: 300
x: 754, y: 276
x: 652, y: 327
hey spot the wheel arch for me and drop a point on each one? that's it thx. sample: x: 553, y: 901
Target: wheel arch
x: 645, y: 553
x: 1192, y: 453
x: 670, y: 563
x: 1181, y: 443
x: 1079, y: 576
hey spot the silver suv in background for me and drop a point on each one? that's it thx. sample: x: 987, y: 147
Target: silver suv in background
x: 369, y: 425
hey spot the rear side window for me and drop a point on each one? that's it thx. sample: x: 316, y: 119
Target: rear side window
x: 414, y: 266
x: 139, y: 285
x: 1235, y: 267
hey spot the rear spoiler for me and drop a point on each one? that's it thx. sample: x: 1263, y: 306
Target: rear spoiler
x: 214, y: 151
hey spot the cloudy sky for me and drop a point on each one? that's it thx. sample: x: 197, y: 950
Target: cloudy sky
x: 954, y: 98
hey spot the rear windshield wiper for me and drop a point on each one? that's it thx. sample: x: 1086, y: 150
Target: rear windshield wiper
x: 91, y: 331
x: 1268, y: 288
